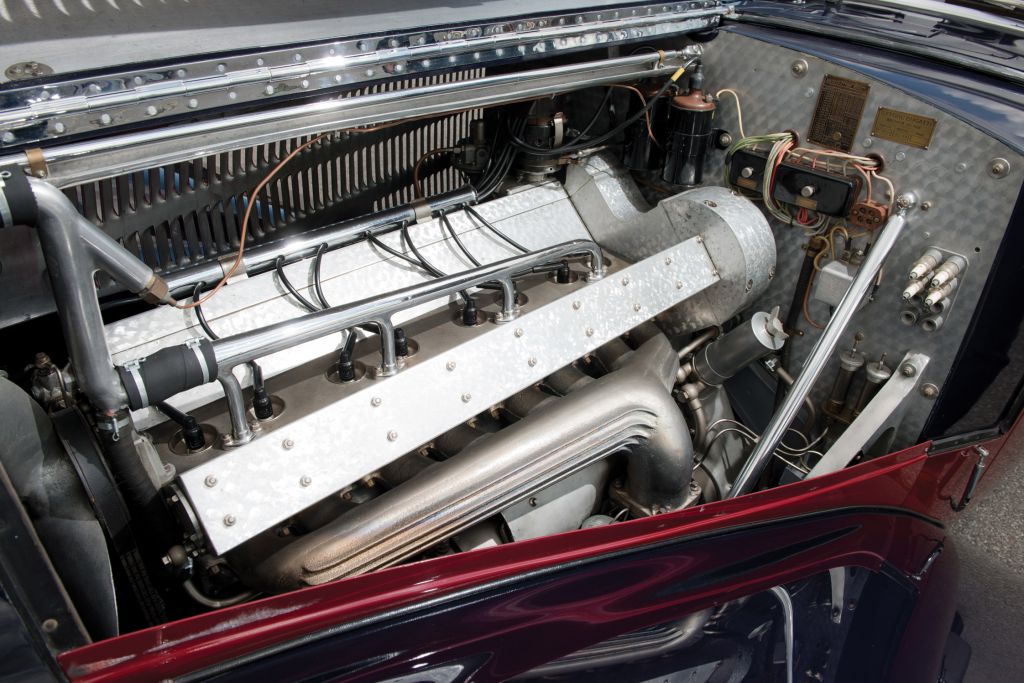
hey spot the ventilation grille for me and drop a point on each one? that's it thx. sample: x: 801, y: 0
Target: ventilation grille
x: 181, y: 214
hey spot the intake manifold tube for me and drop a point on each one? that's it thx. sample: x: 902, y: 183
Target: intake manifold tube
x: 628, y: 410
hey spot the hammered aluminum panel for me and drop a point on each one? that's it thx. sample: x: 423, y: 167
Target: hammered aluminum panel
x: 536, y: 216
x: 968, y: 208
x: 260, y: 484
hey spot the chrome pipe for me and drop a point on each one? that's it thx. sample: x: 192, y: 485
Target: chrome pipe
x: 629, y: 410
x: 819, y: 357
x: 262, y: 258
x: 241, y: 433
x: 71, y: 266
x: 782, y: 595
x: 249, y: 346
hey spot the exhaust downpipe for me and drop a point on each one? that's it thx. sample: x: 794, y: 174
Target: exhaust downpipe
x: 628, y: 410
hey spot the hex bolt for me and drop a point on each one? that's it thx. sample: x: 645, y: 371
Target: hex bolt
x: 287, y: 444
x: 450, y: 365
x: 519, y: 332
x: 532, y: 362
x: 375, y: 401
x: 210, y: 481
x: 908, y: 370
x: 305, y: 481
x: 392, y: 435
x: 229, y: 520
x: 589, y: 331
x: 466, y: 398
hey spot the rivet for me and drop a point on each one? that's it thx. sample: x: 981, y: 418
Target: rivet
x: 576, y: 305
x: 229, y: 520
x: 181, y: 73
x: 210, y: 481
x: 519, y: 332
x: 925, y: 206
x: 59, y: 127
x: 625, y: 281
x: 287, y: 444
x: 375, y: 401
x: 450, y: 365
x: 305, y: 481
x: 260, y: 61
x: 668, y: 260
x: 929, y: 390
x: 298, y: 57
x: 305, y: 83
x: 961, y: 167
x: 151, y: 110
x: 49, y: 625
x: 139, y: 80
x: 392, y: 435
x: 269, y: 90
x: 466, y: 398
x: 531, y: 362
x: 679, y: 284
x: 193, y: 103
x: 637, y: 307
x: 868, y: 142
x: 105, y: 119
x: 901, y: 156
x: 222, y: 67
x: 590, y: 331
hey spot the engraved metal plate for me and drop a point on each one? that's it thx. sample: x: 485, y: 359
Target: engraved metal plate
x: 903, y: 127
x: 837, y: 114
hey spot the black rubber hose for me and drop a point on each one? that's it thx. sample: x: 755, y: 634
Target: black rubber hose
x: 279, y: 265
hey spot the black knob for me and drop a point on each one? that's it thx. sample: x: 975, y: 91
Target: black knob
x: 469, y: 314
x: 401, y: 343
x: 262, y: 408
x: 346, y: 368
x: 192, y: 434
x: 562, y: 275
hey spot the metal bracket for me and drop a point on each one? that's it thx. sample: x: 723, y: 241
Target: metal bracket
x: 972, y: 483
x: 884, y: 412
x: 837, y: 577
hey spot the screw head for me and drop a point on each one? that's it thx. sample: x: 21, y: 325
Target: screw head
x: 589, y: 331
x: 450, y: 365
x: 519, y: 332
x: 532, y: 362
x: 929, y: 390
x: 392, y: 435
x: 576, y: 305
x: 210, y: 481
x: 908, y: 370
x: 637, y: 307
x: 868, y: 142
x: 466, y: 398
x: 900, y: 156
x: 229, y: 520
x: 287, y: 444
x: 305, y: 481
x: 151, y: 110
x: 798, y: 68
x: 105, y: 119
x: 375, y: 401
x: 999, y: 168
x: 925, y: 206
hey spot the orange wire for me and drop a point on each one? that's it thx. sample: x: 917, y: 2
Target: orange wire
x: 643, y: 103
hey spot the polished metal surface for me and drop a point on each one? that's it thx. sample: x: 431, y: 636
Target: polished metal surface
x: 733, y: 229
x: 534, y: 216
x: 79, y: 162
x: 629, y: 409
x: 823, y: 350
x: 442, y: 386
x: 101, y: 102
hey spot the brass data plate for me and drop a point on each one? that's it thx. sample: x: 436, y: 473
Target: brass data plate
x: 838, y: 112
x: 903, y: 127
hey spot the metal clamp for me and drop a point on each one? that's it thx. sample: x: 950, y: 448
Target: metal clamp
x: 972, y: 483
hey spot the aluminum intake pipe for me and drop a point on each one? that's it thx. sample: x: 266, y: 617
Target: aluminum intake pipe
x: 629, y: 410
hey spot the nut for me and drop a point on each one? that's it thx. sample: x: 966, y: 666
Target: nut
x: 210, y: 481
x: 929, y: 390
x: 229, y: 520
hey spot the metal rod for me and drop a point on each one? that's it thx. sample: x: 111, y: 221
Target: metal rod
x: 263, y: 258
x: 823, y: 349
x: 782, y: 595
x: 80, y: 162
x: 248, y: 346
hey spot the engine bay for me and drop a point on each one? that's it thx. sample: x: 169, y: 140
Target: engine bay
x: 479, y: 307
